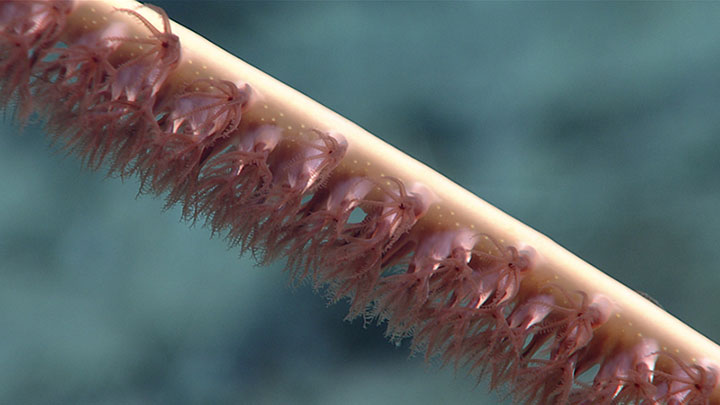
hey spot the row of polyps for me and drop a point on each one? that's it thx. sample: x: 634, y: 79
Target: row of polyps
x: 129, y: 73
x: 456, y: 274
x: 641, y: 371
x: 550, y: 339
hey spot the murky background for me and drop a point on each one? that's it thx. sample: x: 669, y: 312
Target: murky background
x: 595, y: 123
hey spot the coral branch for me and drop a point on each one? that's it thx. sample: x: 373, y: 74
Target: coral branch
x: 282, y: 176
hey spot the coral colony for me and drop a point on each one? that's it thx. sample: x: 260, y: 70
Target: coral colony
x: 115, y: 90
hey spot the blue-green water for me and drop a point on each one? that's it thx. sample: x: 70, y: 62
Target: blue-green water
x: 596, y: 123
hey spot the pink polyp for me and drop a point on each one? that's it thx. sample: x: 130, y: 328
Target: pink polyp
x: 27, y: 30
x: 352, y: 263
x: 531, y: 312
x: 505, y: 342
x: 626, y: 374
x: 142, y: 76
x: 389, y: 217
x: 578, y: 324
x: 437, y: 246
x: 686, y: 383
x: 490, y: 278
x: 40, y: 21
x: 231, y: 155
x: 335, y: 203
x: 252, y: 147
x: 400, y: 297
x: 308, y: 165
x: 298, y: 165
x: 208, y: 108
x: 264, y: 138
x: 80, y: 74
x: 344, y: 196
x: 424, y: 197
x: 559, y: 345
x: 234, y: 175
x: 318, y: 221
x: 187, y: 134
